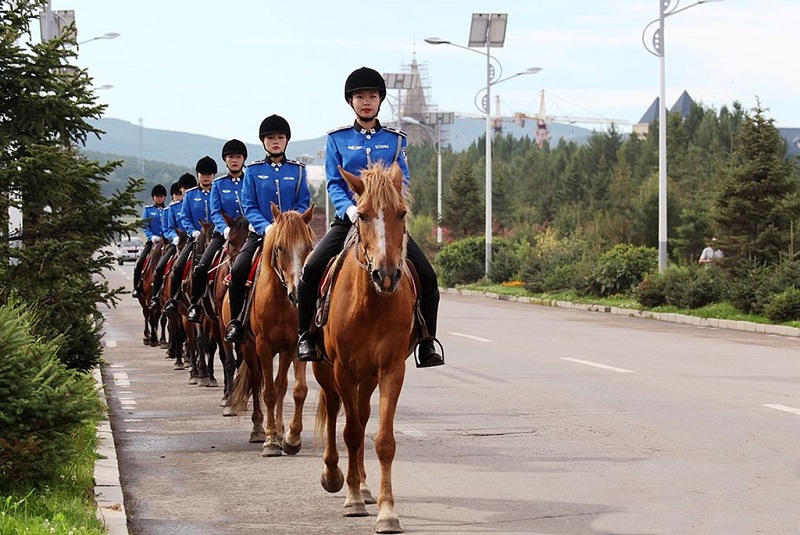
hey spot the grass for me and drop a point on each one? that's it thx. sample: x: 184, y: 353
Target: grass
x: 63, y: 507
x: 722, y: 310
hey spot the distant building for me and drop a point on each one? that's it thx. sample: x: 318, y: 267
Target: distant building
x: 683, y: 106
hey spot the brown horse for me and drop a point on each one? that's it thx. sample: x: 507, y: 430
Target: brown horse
x: 368, y: 336
x: 213, y: 325
x: 201, y: 372
x: 273, y: 330
x: 150, y: 337
x: 177, y: 335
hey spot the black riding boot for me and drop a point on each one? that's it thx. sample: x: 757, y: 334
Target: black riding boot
x: 306, y: 304
x: 137, y: 283
x: 427, y: 356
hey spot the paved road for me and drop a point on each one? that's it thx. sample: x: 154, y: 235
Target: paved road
x: 544, y: 421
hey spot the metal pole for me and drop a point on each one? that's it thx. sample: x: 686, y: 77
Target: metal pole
x: 439, y: 184
x: 662, y: 150
x: 488, y: 109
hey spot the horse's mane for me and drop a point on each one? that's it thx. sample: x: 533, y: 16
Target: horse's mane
x: 379, y: 189
x: 288, y: 228
x: 239, y: 223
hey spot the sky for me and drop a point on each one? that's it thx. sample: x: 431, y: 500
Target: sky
x: 218, y: 68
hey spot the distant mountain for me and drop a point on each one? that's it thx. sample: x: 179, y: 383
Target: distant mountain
x: 184, y: 149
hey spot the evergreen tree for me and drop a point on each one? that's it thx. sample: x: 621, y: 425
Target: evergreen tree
x: 463, y: 210
x: 55, y: 261
x: 753, y: 212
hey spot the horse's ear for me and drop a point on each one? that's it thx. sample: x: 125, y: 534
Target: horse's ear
x: 355, y: 183
x: 275, y: 210
x: 308, y: 214
x: 396, y: 174
x: 228, y: 219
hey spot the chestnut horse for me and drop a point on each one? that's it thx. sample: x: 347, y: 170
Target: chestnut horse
x: 368, y: 336
x: 213, y: 299
x: 273, y: 330
x: 201, y: 373
x: 150, y: 337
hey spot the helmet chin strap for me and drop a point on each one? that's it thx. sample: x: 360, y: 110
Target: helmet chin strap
x: 275, y: 154
x: 366, y: 119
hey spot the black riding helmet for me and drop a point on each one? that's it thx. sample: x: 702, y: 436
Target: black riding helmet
x: 234, y: 146
x: 273, y: 124
x: 175, y: 188
x: 187, y: 181
x: 206, y: 165
x: 158, y: 191
x: 364, y: 78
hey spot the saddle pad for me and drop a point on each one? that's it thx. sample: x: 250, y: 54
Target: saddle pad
x: 251, y: 277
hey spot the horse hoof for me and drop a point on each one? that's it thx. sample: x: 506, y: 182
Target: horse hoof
x: 153, y: 343
x: 366, y: 495
x: 203, y: 381
x: 229, y: 411
x: 192, y: 380
x: 164, y: 345
x: 177, y: 366
x: 257, y: 438
x: 271, y: 450
x: 291, y: 449
x: 212, y: 383
x: 335, y: 484
x: 168, y: 356
x: 146, y: 341
x: 388, y: 525
x: 357, y: 509
x: 224, y: 401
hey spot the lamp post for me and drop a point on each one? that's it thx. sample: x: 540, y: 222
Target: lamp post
x: 665, y: 9
x: 400, y: 81
x: 437, y: 119
x: 107, y: 35
x: 488, y: 30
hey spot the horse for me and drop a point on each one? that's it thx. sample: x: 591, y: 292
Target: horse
x: 273, y: 330
x: 177, y: 335
x: 369, y: 333
x: 201, y: 372
x: 213, y: 325
x: 150, y: 335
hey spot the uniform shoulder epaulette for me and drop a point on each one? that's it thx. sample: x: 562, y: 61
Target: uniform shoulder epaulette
x: 301, y: 164
x: 394, y: 130
x: 337, y: 129
x: 192, y: 189
x: 149, y: 205
x: 256, y: 162
x: 220, y: 178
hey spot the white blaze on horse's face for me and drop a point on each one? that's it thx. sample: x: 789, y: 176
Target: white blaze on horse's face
x: 380, y: 234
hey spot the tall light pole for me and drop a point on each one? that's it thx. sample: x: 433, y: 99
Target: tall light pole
x: 656, y: 47
x: 488, y: 30
x: 400, y: 81
x: 107, y: 35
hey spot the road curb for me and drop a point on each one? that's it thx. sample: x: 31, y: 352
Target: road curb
x: 747, y: 326
x: 107, y: 487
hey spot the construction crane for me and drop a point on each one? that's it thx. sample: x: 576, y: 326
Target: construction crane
x: 543, y: 120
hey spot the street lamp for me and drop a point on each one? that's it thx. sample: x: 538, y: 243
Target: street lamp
x: 437, y: 119
x: 400, y: 81
x: 665, y: 9
x: 107, y: 35
x: 488, y: 30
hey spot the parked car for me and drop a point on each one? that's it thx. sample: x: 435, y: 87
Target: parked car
x: 129, y: 250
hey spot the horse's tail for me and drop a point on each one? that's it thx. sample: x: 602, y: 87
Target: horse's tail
x: 242, y: 387
x: 322, y: 418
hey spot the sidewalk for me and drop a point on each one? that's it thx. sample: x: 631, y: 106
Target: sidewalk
x: 107, y: 488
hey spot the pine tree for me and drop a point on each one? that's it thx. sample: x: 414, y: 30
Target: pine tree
x: 55, y: 262
x: 753, y: 212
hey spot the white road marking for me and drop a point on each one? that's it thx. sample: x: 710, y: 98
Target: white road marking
x: 117, y: 366
x: 784, y: 408
x: 598, y: 365
x: 111, y: 343
x: 132, y: 420
x: 136, y: 430
x: 476, y: 338
x: 410, y: 431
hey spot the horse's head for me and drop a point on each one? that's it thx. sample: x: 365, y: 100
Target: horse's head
x: 381, y: 223
x: 287, y: 245
x: 238, y: 233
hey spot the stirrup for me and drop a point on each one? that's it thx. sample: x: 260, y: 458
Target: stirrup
x: 433, y: 358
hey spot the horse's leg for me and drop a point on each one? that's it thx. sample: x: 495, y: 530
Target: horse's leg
x: 191, y: 353
x: 390, y: 386
x: 328, y: 410
x: 146, y: 333
x: 179, y: 335
x: 251, y: 360
x: 281, y: 387
x: 229, y: 369
x: 354, y: 440
x: 364, y: 395
x: 163, y: 343
x: 153, y: 328
x: 293, y: 441
x: 266, y: 355
x: 202, y: 355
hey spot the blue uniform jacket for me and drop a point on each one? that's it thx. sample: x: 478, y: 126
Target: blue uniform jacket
x: 354, y: 148
x: 170, y: 220
x: 226, y: 196
x: 151, y: 214
x: 196, y: 207
x: 283, y: 183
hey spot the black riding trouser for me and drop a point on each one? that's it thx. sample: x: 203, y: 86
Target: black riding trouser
x: 137, y: 269
x: 330, y: 245
x: 239, y: 272
x: 200, y: 272
x: 158, y: 278
x: 179, y: 266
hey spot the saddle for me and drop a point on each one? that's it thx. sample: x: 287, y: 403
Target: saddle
x: 329, y: 278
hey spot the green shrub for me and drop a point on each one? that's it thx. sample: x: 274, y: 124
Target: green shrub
x: 784, y: 306
x: 574, y: 276
x: 652, y: 291
x: 751, y: 290
x: 461, y: 262
x: 505, y: 261
x: 620, y: 270
x: 42, y: 403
